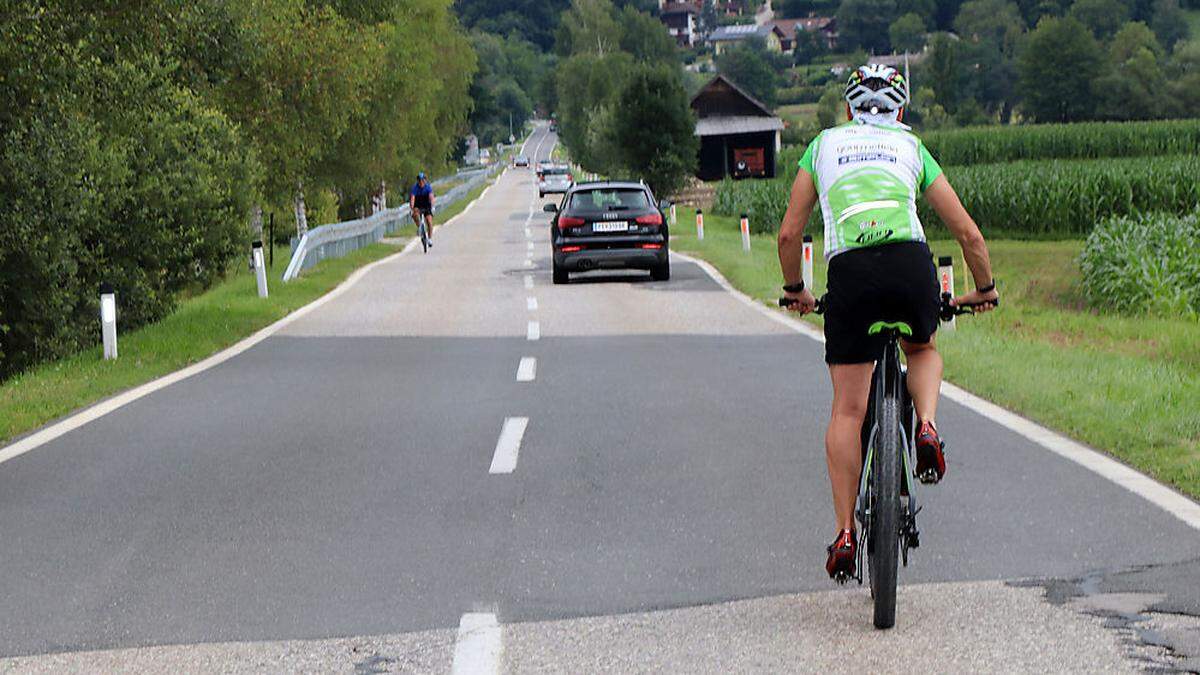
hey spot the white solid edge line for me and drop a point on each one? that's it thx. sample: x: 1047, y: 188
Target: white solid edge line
x: 531, y: 303
x: 1099, y: 463
x: 527, y: 369
x: 508, y: 446
x: 478, y: 645
x: 98, y: 410
x: 533, y: 331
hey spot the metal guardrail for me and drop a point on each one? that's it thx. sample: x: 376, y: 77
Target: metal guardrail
x: 337, y: 239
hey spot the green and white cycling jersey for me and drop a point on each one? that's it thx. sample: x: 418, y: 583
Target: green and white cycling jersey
x: 867, y: 178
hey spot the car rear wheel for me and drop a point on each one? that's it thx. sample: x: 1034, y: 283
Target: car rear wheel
x: 661, y: 272
x: 560, y: 275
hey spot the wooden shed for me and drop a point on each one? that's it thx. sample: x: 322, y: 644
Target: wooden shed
x: 739, y: 136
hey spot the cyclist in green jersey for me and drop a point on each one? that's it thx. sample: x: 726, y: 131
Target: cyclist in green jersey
x: 866, y: 175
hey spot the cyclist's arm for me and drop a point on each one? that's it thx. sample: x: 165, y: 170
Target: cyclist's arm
x: 945, y: 202
x: 791, y: 230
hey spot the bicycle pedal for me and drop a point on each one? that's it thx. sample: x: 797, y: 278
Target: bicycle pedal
x: 928, y: 477
x: 841, y: 578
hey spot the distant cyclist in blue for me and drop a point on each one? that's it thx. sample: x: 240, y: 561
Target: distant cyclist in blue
x: 420, y: 203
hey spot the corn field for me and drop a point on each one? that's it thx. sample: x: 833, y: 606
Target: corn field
x: 1144, y: 264
x: 1092, y: 140
x: 1062, y: 197
x: 1022, y: 199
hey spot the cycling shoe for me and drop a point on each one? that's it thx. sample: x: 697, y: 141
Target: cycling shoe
x: 931, y: 455
x: 843, y: 557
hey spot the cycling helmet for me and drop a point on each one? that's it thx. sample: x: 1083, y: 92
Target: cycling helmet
x: 421, y: 176
x: 876, y: 88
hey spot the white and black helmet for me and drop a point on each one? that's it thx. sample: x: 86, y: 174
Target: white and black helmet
x: 877, y: 87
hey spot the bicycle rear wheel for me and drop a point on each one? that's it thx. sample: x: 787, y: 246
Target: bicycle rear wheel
x: 424, y: 237
x: 884, y: 544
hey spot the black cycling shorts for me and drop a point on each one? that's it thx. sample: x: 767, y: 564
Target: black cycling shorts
x: 426, y: 210
x: 892, y: 282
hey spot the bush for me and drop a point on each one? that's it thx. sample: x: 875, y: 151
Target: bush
x: 134, y: 182
x: 1093, y: 140
x: 1144, y: 264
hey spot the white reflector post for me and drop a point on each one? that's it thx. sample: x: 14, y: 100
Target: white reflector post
x: 108, y: 320
x: 260, y: 269
x: 745, y: 232
x: 806, y: 269
x: 946, y: 283
x: 700, y: 224
x: 672, y: 214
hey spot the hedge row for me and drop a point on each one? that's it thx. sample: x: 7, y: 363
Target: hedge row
x: 1092, y: 140
x: 1028, y: 198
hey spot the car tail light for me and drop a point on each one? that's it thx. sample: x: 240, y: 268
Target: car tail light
x: 567, y: 221
x: 570, y: 178
x: 651, y: 245
x: 571, y: 249
x: 650, y: 219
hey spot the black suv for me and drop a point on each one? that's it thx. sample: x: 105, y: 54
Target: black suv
x: 609, y: 224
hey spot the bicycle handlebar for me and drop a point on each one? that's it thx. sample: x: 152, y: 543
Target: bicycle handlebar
x: 946, y: 312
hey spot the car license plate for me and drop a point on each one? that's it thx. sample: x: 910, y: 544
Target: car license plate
x: 618, y: 226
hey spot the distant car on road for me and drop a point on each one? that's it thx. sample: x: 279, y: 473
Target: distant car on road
x: 555, y: 180
x: 607, y: 225
x: 521, y: 160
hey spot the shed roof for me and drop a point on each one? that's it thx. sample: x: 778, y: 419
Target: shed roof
x: 723, y: 126
x: 722, y: 86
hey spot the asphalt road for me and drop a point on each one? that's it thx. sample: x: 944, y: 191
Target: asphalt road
x: 326, y: 500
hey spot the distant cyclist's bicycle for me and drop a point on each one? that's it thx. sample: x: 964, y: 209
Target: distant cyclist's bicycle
x: 887, y: 503
x: 420, y: 216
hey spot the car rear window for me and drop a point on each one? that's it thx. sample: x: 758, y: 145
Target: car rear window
x: 555, y: 171
x: 608, y: 199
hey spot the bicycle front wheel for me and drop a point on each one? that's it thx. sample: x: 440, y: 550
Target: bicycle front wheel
x: 884, y: 544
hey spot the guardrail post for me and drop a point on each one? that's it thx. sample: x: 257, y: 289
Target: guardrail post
x: 699, y: 224
x: 946, y: 283
x: 108, y: 320
x: 745, y: 233
x: 807, y: 266
x: 260, y: 269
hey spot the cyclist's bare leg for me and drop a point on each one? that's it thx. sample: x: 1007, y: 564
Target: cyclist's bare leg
x: 429, y: 226
x: 843, y: 440
x: 924, y: 378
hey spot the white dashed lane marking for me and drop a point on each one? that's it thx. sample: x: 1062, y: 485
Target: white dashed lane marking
x: 527, y: 369
x: 509, y: 445
x: 478, y: 646
x: 528, y: 281
x: 531, y: 304
x: 534, y: 331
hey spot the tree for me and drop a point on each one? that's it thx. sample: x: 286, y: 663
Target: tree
x: 747, y: 66
x: 998, y: 21
x: 1169, y: 22
x: 1103, y: 17
x: 1133, y: 36
x: 588, y: 27
x: 654, y: 129
x: 643, y: 36
x: 831, y: 108
x: 809, y: 45
x: 907, y: 33
x: 1056, y: 67
x: 534, y: 20
x: 864, y: 23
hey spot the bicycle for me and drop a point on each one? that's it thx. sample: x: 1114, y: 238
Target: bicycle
x: 420, y: 217
x: 887, y: 505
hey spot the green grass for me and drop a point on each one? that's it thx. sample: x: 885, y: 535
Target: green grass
x: 1127, y: 385
x: 200, y: 327
x: 1193, y: 20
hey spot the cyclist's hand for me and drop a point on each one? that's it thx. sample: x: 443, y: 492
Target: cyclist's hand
x: 983, y: 302
x: 804, y: 302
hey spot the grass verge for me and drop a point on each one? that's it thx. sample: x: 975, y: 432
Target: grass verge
x: 201, y: 326
x: 1127, y: 385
